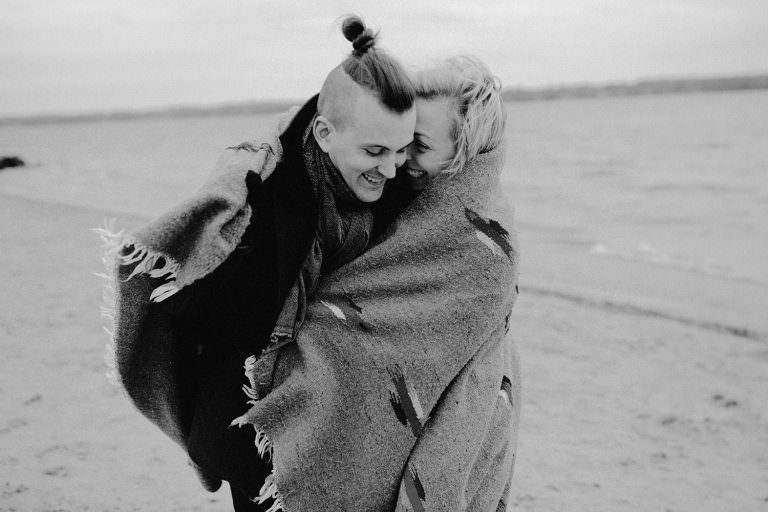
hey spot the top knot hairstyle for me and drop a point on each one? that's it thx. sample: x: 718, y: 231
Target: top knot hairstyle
x: 362, y: 38
x: 373, y: 69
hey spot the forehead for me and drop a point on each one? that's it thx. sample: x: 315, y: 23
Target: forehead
x: 435, y: 118
x: 371, y: 123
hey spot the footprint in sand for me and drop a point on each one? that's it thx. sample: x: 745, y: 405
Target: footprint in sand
x: 668, y: 420
x: 13, y: 425
x: 10, y: 489
x: 33, y: 399
x: 721, y: 400
x: 60, y: 471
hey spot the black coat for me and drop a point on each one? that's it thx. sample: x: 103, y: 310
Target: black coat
x: 229, y: 315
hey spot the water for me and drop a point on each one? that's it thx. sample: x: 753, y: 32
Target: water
x: 656, y: 203
x: 661, y: 200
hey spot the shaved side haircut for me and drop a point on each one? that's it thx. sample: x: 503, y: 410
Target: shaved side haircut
x: 367, y: 68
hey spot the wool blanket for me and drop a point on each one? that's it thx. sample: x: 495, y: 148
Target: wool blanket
x: 401, y: 390
x: 165, y: 255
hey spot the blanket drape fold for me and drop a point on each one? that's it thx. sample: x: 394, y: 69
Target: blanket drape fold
x: 401, y: 391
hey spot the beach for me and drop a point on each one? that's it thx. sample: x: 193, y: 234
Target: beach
x: 640, y: 323
x: 620, y: 412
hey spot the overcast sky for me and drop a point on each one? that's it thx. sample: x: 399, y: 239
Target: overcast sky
x: 86, y: 55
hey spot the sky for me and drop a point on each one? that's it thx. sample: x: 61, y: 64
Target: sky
x: 98, y: 55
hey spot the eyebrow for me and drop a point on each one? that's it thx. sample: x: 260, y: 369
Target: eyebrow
x: 385, y: 147
x: 423, y: 135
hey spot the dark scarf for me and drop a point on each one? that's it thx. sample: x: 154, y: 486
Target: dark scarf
x: 345, y: 222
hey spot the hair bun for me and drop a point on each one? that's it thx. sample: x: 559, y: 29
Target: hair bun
x: 352, y: 27
x: 364, y: 42
x: 354, y: 30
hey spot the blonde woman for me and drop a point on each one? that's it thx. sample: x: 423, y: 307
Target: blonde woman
x: 460, y: 114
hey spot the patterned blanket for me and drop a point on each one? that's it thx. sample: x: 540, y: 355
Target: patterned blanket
x: 401, y: 391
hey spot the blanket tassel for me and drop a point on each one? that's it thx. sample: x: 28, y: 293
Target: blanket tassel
x: 111, y: 241
x: 147, y: 262
x: 263, y: 445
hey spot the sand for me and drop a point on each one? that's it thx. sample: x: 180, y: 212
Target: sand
x: 620, y: 411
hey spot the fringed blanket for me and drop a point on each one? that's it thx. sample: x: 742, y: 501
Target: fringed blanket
x: 169, y: 253
x: 401, y: 391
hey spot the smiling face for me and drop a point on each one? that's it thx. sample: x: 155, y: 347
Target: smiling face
x: 433, y: 145
x: 367, y: 143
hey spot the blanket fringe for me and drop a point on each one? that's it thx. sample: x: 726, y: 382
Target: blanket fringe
x: 263, y: 444
x: 110, y: 244
x: 269, y: 490
x: 154, y: 265
x: 147, y: 262
x: 251, y: 391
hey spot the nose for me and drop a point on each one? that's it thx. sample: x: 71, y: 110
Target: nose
x: 402, y: 158
x: 388, y: 167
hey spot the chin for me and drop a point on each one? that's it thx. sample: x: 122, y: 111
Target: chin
x: 369, y: 196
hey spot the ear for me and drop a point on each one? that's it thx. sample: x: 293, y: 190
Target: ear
x: 322, y: 129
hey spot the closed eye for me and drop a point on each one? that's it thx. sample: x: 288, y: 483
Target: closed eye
x: 374, y: 152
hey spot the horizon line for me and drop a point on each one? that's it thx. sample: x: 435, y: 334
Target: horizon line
x: 579, y: 89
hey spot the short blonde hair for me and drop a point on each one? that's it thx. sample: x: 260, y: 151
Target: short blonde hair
x: 479, y: 109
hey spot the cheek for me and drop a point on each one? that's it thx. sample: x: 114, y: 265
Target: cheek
x: 430, y: 162
x: 347, y: 162
x: 418, y: 158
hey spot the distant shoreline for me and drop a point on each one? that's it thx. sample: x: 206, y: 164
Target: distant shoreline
x: 639, y: 88
x: 510, y: 94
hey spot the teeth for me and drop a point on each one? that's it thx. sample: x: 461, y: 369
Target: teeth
x: 416, y: 173
x: 373, y: 180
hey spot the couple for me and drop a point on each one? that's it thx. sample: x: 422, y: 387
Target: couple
x: 355, y: 259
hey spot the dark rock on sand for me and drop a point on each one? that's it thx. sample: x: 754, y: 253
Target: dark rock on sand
x: 11, y: 161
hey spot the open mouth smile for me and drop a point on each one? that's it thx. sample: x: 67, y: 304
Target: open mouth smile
x: 415, y: 173
x: 372, y: 179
